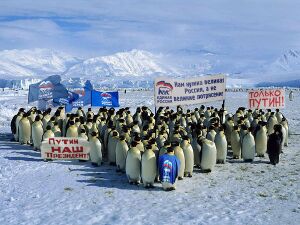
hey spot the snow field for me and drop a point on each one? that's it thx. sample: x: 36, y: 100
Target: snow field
x: 69, y: 192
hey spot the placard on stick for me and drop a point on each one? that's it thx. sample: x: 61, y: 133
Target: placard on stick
x: 266, y: 99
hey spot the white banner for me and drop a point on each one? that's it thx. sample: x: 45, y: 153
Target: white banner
x: 64, y: 148
x: 171, y: 92
x: 266, y: 99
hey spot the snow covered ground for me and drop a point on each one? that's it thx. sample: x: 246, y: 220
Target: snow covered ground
x: 66, y: 192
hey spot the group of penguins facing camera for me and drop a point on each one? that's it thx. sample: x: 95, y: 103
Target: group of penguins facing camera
x: 137, y: 143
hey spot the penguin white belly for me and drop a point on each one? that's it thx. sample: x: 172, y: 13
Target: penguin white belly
x: 95, y: 152
x: 236, y: 144
x: 189, y: 160
x: 180, y: 155
x: 221, y: 145
x: 286, y: 140
x: 209, y: 156
x: 48, y: 134
x: 37, y: 136
x: 133, y: 167
x: 121, y: 152
x: 25, y: 132
x: 261, y: 143
x: 248, y: 148
x: 149, y: 168
x: 284, y: 134
x: 17, y: 128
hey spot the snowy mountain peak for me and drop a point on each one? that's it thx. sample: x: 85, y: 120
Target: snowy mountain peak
x: 34, y: 63
x: 133, y: 63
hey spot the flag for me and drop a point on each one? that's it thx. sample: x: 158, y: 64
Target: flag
x: 72, y: 96
x: 84, y: 93
x: 47, y: 89
x: 109, y: 99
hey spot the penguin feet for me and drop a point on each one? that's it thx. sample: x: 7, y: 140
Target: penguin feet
x: 189, y: 175
x: 112, y: 163
x: 118, y: 170
x: 170, y: 189
x: 261, y: 156
x: 180, y: 178
x: 94, y: 164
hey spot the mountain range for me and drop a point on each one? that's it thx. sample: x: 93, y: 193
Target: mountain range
x: 137, y: 68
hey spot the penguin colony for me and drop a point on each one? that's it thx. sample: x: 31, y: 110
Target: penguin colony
x: 200, y: 137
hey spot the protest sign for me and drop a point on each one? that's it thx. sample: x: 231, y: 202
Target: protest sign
x: 170, y: 92
x: 63, y: 148
x: 266, y: 99
x: 109, y: 99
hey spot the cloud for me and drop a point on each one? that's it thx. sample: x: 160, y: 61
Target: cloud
x: 249, y: 30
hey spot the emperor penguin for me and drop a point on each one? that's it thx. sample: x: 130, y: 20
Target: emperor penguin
x: 221, y: 146
x: 248, y: 147
x: 261, y: 139
x: 149, y: 167
x: 163, y: 150
x: 48, y: 133
x: 229, y: 124
x: 209, y: 155
x: 278, y: 116
x: 196, y: 150
x: 160, y: 140
x: 111, y: 147
x: 83, y: 135
x: 271, y: 122
x: 121, y: 152
x: 180, y: 155
x: 18, y: 119
x: 133, y: 164
x: 129, y: 119
x: 95, y: 150
x: 56, y: 130
x: 37, y: 133
x: 188, y: 156
x: 46, y: 118
x: 284, y: 123
x: 236, y: 142
x: 72, y: 130
x: 24, y: 130
x: 211, y: 134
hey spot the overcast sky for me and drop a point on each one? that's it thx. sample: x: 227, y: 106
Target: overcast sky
x: 250, y: 30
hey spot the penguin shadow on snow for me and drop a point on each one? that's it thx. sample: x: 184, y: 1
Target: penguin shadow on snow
x: 107, y: 177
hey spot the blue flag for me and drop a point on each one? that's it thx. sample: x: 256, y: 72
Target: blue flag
x: 47, y: 89
x: 72, y: 96
x: 109, y: 99
x: 84, y: 93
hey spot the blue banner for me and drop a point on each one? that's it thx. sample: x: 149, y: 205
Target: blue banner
x: 109, y: 99
x: 47, y: 89
x: 84, y: 93
x: 72, y: 96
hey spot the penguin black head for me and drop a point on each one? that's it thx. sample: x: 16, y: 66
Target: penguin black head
x: 122, y: 137
x: 186, y: 138
x: 37, y: 118
x: 89, y: 109
x: 94, y: 134
x: 137, y: 138
x: 175, y: 143
x: 167, y: 143
x: 82, y: 131
x: 236, y: 127
x: 115, y: 133
x: 134, y: 144
x: 72, y: 123
x: 170, y: 150
x: 48, y: 127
